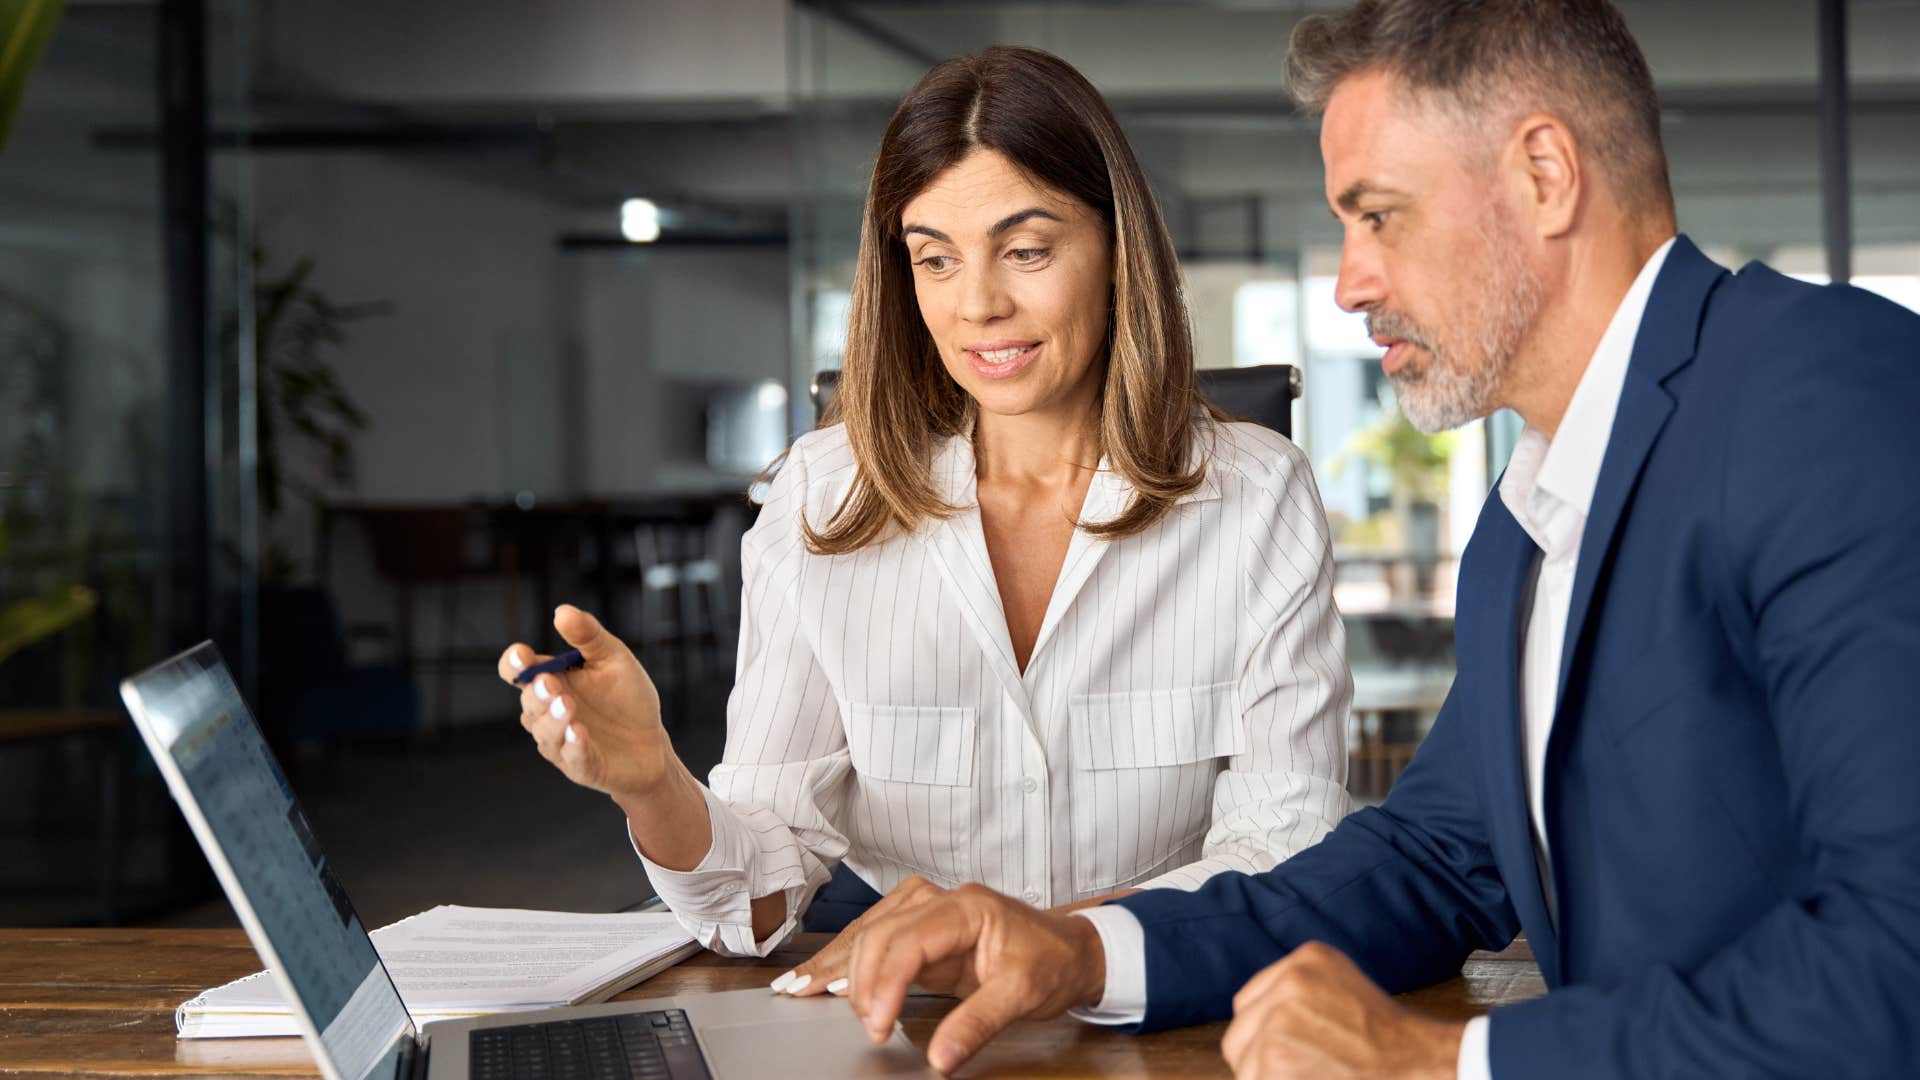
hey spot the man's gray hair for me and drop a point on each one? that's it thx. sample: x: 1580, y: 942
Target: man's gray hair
x: 1494, y: 61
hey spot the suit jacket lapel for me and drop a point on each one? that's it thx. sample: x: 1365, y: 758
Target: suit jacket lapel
x: 1669, y: 332
x: 1668, y: 335
x: 1489, y: 642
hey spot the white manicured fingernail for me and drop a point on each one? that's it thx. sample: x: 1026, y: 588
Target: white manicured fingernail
x: 800, y: 984
x: 571, y: 737
x: 782, y: 982
x: 513, y: 657
x: 559, y: 707
x: 838, y: 986
x: 540, y: 690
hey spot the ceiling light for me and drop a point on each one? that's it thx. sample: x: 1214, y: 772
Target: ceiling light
x: 640, y: 221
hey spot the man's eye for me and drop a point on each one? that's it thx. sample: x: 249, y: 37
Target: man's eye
x: 1374, y: 219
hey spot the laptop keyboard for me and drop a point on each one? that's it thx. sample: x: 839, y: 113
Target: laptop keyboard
x: 654, y: 1045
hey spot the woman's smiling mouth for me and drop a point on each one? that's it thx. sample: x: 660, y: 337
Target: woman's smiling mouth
x: 1001, y: 359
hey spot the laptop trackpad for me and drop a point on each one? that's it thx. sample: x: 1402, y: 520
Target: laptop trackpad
x: 754, y: 1033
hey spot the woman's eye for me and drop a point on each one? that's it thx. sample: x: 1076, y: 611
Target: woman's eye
x: 1027, y: 255
x: 933, y: 263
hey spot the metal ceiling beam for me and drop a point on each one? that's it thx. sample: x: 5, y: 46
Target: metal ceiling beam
x: 390, y: 137
x: 873, y: 31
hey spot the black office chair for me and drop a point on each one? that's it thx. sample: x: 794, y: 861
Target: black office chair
x: 1263, y: 394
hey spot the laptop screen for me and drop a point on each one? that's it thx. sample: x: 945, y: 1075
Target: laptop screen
x: 246, y: 817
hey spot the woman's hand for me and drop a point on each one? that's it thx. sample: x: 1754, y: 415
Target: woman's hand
x: 599, y: 724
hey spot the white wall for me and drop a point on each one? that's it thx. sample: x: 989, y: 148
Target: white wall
x: 459, y: 380
x: 656, y: 325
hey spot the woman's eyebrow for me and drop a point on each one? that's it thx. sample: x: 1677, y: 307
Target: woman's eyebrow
x: 999, y: 227
x: 1011, y: 220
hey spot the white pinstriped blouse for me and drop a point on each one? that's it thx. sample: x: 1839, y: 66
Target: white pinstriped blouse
x: 1183, y: 711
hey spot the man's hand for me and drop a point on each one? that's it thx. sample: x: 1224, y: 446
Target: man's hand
x: 1313, y: 1014
x: 825, y: 972
x: 1007, y: 960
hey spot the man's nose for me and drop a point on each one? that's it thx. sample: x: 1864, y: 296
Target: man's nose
x: 1360, y: 285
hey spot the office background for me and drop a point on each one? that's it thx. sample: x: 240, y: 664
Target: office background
x: 354, y: 335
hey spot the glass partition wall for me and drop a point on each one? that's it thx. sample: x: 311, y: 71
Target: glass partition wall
x: 1237, y: 172
x: 126, y: 485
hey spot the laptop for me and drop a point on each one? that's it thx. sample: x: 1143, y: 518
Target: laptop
x: 246, y: 818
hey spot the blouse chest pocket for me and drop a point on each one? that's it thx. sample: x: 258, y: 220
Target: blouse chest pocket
x: 1144, y: 763
x: 913, y: 744
x: 912, y: 805
x: 1146, y: 728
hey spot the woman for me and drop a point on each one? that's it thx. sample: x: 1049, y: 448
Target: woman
x: 1024, y: 610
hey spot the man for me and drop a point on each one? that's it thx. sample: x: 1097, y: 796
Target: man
x: 1681, y: 750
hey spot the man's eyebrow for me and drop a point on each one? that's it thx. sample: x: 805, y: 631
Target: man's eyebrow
x: 1349, y: 199
x: 926, y: 231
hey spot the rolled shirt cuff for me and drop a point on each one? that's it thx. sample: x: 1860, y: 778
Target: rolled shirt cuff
x: 714, y: 900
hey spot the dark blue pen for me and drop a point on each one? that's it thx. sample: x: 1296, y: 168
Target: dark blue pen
x: 566, y: 661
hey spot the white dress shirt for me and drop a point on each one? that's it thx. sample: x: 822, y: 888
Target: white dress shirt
x: 1548, y: 487
x: 1182, y: 712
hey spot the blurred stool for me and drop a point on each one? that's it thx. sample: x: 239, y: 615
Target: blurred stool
x: 682, y: 579
x: 438, y: 547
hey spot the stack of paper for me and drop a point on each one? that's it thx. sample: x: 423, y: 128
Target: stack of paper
x: 461, y: 961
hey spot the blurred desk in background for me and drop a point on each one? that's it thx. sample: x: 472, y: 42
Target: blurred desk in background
x: 1370, y: 581
x: 101, y: 731
x: 679, y: 549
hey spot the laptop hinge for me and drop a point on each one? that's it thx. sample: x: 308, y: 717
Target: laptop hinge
x: 413, y: 1059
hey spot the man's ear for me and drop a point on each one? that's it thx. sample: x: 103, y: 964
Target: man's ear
x: 1545, y: 161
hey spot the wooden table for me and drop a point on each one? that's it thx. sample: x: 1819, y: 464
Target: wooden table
x: 100, y: 1003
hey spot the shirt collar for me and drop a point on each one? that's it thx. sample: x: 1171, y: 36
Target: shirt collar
x: 1546, y: 478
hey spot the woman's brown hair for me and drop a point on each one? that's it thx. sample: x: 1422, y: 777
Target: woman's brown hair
x: 896, y: 398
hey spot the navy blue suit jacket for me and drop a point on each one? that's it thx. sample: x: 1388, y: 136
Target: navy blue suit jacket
x: 1732, y: 793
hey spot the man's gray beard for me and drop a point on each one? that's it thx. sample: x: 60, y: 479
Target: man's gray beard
x: 1462, y: 384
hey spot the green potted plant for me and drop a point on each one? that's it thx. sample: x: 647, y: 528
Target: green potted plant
x: 1416, y: 467
x: 37, y: 518
x: 298, y: 397
x: 25, y: 26
x: 24, y: 622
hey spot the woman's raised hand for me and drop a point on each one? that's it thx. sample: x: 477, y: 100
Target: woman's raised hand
x: 599, y: 724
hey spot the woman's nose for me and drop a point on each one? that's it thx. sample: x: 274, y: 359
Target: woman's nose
x: 984, y: 298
